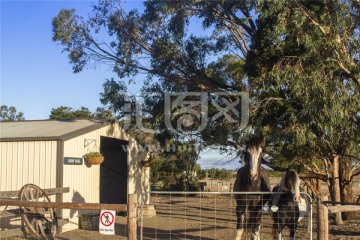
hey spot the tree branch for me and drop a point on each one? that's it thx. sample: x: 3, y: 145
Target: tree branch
x: 301, y: 175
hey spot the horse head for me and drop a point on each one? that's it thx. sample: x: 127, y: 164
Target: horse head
x: 291, y: 182
x: 252, y: 156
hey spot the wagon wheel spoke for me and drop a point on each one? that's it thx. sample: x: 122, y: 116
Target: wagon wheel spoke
x: 37, y: 195
x: 25, y: 194
x: 36, y: 225
x: 31, y: 195
x: 33, y: 222
x: 40, y: 222
x: 41, y: 228
x: 54, y: 230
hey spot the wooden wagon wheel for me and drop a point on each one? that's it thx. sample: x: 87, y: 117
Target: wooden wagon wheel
x: 40, y: 222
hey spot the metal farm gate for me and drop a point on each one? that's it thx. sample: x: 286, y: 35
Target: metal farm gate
x: 209, y: 215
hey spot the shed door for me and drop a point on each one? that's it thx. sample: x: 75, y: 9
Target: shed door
x: 113, y: 171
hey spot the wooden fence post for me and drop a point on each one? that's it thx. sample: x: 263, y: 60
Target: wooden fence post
x: 131, y: 221
x: 322, y: 219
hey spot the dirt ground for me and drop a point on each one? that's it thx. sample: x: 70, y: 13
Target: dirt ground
x: 206, y: 218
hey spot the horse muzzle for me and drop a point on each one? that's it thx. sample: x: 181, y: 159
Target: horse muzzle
x: 297, y: 199
x: 253, y: 175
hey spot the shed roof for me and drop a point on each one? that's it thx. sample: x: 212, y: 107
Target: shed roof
x: 47, y: 129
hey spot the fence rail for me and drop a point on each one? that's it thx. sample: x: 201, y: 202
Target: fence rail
x: 67, y: 205
x: 48, y: 191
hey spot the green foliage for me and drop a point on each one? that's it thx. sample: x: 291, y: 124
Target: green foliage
x: 275, y: 174
x: 308, y: 104
x: 157, y: 43
x: 67, y: 113
x: 62, y: 113
x: 176, y: 167
x: 114, y: 95
x: 169, y: 174
x: 221, y: 174
x: 93, y: 154
x: 10, y: 114
x: 70, y: 31
x: 165, y: 173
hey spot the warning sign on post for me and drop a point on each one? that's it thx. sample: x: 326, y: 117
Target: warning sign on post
x: 107, y: 222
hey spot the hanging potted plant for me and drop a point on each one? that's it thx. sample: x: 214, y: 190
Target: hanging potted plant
x: 94, y: 158
x: 148, y: 162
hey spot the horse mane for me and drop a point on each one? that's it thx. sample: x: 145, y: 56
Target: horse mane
x: 254, y: 142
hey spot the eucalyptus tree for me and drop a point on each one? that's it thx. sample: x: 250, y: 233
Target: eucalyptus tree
x: 304, y: 65
x: 159, y: 43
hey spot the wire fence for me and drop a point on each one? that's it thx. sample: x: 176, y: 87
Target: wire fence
x: 179, y: 215
x: 210, y: 215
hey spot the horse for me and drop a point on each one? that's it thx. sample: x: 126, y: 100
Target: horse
x: 285, y: 204
x: 251, y: 178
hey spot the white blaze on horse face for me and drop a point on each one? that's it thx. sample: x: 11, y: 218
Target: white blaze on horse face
x: 254, y: 154
x: 295, y: 189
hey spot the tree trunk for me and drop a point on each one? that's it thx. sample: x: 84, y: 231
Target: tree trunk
x: 346, y: 190
x: 336, y: 186
x: 187, y: 180
x: 314, y: 185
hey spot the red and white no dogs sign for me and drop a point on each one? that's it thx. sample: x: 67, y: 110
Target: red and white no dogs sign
x: 107, y: 222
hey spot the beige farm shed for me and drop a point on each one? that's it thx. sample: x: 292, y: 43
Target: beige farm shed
x: 38, y: 152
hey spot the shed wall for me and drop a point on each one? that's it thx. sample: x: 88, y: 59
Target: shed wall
x: 83, y: 180
x: 28, y: 162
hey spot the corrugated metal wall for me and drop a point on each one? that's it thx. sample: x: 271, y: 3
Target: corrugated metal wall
x: 83, y: 180
x: 28, y: 162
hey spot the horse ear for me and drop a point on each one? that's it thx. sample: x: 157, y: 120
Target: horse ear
x: 254, y: 141
x: 237, y: 146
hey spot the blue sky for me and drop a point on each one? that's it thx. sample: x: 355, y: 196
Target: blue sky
x: 36, y: 76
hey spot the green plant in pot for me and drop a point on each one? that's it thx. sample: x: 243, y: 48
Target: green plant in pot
x: 94, y: 158
x: 149, y: 161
